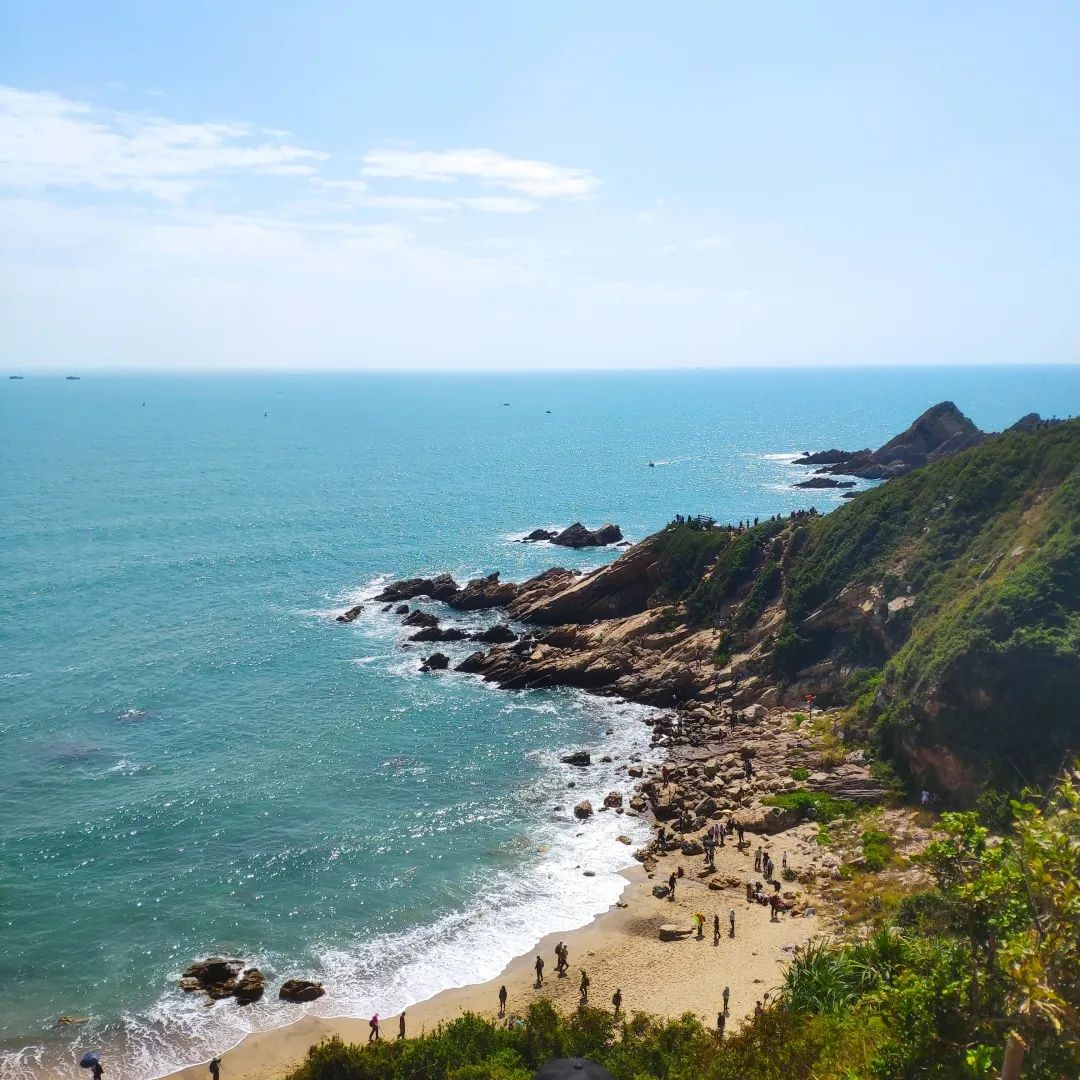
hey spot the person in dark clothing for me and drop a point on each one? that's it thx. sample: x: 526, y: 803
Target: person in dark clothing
x: 401, y: 1025
x: 502, y: 1000
x: 215, y: 1068
x: 671, y: 885
x: 539, y: 971
x: 721, y: 1023
x: 616, y: 1000
x: 373, y: 1024
x: 584, y: 988
x: 716, y: 929
x: 97, y: 1070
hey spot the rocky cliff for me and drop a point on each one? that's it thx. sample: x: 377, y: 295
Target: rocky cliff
x: 940, y: 612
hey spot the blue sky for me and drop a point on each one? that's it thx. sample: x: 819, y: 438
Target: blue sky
x: 510, y: 185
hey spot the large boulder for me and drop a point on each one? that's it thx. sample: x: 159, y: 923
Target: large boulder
x: 540, y: 534
x: 613, y: 799
x: 215, y: 976
x: 767, y: 819
x: 577, y: 536
x: 439, y: 633
x: 583, y: 809
x: 420, y: 618
x: 300, y: 990
x: 441, y: 588
x: 579, y: 757
x: 250, y: 986
x: 435, y: 662
x: 485, y: 592
x: 499, y: 634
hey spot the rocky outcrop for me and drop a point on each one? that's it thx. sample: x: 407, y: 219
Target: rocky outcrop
x: 420, y: 618
x: 435, y: 662
x: 482, y: 593
x: 825, y: 482
x: 250, y: 987
x: 439, y: 633
x: 215, y: 976
x: 499, y: 634
x: 442, y: 588
x: 941, y: 431
x: 579, y: 758
x: 351, y: 615
x: 300, y: 990
x: 538, y: 535
x: 577, y: 536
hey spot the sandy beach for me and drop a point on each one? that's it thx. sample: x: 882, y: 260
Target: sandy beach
x: 620, y: 949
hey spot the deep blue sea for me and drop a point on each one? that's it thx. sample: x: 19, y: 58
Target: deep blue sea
x: 198, y: 759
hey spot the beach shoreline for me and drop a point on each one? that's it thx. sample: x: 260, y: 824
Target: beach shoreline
x: 619, y: 948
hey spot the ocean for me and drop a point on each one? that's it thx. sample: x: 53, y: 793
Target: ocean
x: 198, y: 759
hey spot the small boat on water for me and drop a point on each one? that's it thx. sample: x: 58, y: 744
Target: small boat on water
x: 73, y: 378
x: 14, y: 376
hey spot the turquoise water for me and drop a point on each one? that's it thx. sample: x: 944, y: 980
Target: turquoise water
x: 198, y: 759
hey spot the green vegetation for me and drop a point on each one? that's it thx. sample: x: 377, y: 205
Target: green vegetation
x: 980, y: 556
x: 992, y: 950
x: 812, y: 805
x: 800, y: 774
x: 876, y: 850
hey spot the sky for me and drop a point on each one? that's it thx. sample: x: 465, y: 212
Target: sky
x: 274, y: 185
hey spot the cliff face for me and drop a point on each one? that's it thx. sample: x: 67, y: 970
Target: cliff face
x: 943, y: 609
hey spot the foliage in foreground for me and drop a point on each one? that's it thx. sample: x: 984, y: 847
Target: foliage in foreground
x: 993, y: 949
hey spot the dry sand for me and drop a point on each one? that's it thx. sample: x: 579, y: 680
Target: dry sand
x: 620, y: 950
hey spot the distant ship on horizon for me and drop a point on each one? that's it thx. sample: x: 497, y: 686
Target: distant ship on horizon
x: 73, y: 378
x: 14, y: 376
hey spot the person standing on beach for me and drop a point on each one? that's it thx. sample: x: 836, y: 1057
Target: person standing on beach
x: 502, y: 1000
x: 721, y: 1022
x: 783, y: 860
x: 539, y: 971
x: 671, y: 885
x: 757, y: 859
x: 584, y: 988
x: 373, y: 1023
x: 758, y: 1010
x: 716, y: 929
x: 726, y: 995
x: 559, y: 958
x: 215, y: 1068
x: 731, y: 921
x: 616, y: 1000
x: 401, y: 1025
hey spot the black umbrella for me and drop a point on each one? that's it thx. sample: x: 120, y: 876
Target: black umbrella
x: 90, y: 1060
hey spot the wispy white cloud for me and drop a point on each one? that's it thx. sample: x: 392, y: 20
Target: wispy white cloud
x: 50, y: 141
x: 539, y: 179
x: 359, y: 194
x: 716, y: 243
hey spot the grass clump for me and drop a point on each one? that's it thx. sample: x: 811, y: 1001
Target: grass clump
x: 876, y: 850
x: 800, y: 774
x: 812, y: 805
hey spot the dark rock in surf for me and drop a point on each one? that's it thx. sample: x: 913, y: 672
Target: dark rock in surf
x: 420, y: 618
x: 439, y: 633
x: 436, y: 662
x: 441, y: 588
x: 499, y: 634
x: 485, y: 592
x: 577, y: 536
x: 825, y: 482
x: 579, y: 758
x: 351, y: 614
x: 300, y: 990
x: 250, y: 986
x: 539, y: 534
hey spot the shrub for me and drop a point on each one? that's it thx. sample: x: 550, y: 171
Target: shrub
x: 800, y: 774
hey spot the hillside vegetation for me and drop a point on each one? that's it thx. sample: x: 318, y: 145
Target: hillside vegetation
x: 942, y: 606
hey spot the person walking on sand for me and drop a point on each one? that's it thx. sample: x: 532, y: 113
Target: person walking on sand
x: 539, y: 971
x: 757, y: 859
x: 502, y: 1000
x: 215, y: 1068
x: 721, y: 1023
x: 559, y: 959
x: 671, y: 885
x: 731, y: 922
x: 401, y: 1025
x: 373, y: 1023
x: 726, y: 995
x: 97, y: 1070
x: 616, y: 1000
x: 774, y: 904
x: 584, y: 988
x: 716, y: 929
